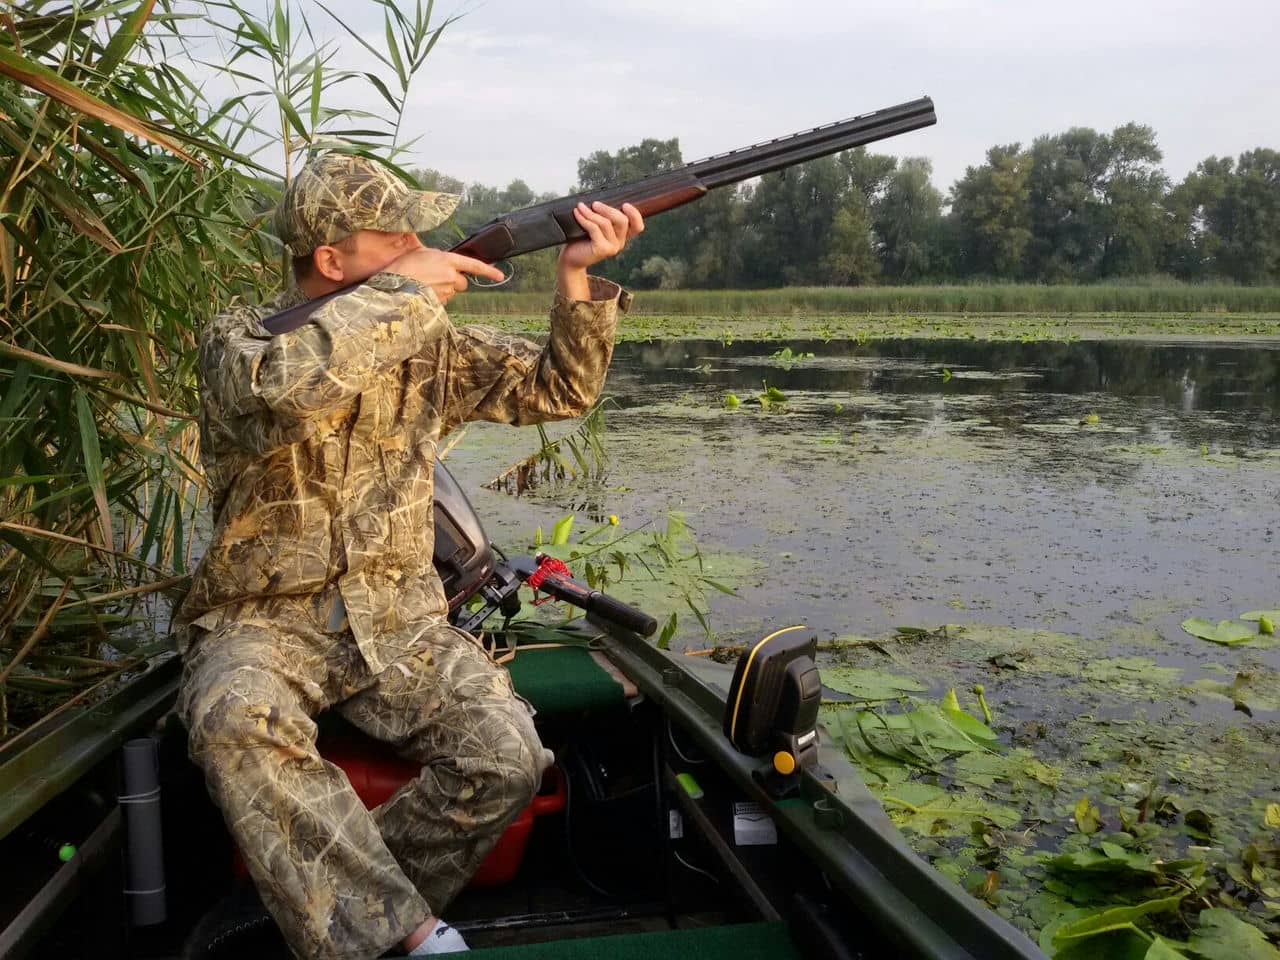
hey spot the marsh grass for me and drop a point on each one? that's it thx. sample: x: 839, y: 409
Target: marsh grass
x: 985, y: 299
x: 131, y: 206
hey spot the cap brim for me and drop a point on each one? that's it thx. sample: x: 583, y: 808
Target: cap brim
x: 422, y: 211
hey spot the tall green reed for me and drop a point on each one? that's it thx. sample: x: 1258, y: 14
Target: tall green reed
x: 132, y: 203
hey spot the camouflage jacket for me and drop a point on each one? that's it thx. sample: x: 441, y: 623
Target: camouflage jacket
x: 319, y: 445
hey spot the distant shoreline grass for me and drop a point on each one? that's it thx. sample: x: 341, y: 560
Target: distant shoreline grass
x: 798, y: 325
x: 939, y: 300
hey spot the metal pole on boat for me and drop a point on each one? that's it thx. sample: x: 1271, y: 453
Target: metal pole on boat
x: 141, y: 805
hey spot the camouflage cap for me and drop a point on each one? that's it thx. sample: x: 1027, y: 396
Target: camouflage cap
x: 337, y: 194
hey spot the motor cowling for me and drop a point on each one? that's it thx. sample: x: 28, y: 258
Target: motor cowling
x: 463, y: 556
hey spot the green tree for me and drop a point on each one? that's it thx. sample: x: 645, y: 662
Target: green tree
x: 909, y: 222
x: 715, y: 239
x: 1247, y: 219
x: 851, y: 258
x: 1191, y: 245
x: 868, y: 173
x: 788, y: 221
x: 991, y: 212
x: 1096, y: 203
x: 1132, y: 212
x: 431, y: 179
x: 1067, y: 172
x: 603, y: 169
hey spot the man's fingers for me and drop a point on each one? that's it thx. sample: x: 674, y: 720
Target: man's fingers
x: 477, y: 268
x: 621, y: 223
x: 618, y: 222
x: 633, y: 217
x: 608, y: 230
x: 592, y: 223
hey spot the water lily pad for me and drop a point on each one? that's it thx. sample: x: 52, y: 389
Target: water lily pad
x: 1161, y: 949
x: 869, y: 684
x: 966, y: 723
x: 1256, y: 615
x: 1108, y: 919
x: 1227, y: 632
x: 1224, y: 936
x: 942, y: 813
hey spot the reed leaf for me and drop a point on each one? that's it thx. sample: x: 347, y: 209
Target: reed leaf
x: 40, y: 78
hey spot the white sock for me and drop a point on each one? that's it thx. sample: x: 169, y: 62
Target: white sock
x: 442, y: 939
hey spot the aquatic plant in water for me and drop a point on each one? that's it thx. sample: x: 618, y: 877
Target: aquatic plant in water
x: 1232, y: 632
x: 1094, y: 859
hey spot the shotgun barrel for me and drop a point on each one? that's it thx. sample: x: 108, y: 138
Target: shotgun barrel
x: 552, y: 223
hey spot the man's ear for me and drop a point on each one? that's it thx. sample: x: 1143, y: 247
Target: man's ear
x: 328, y: 263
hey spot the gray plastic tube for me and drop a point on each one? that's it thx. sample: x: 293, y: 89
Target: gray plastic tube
x: 140, y: 802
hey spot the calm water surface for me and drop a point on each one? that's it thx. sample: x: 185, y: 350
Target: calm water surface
x: 885, y: 492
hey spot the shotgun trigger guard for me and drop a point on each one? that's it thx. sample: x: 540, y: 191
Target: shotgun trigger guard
x: 506, y: 266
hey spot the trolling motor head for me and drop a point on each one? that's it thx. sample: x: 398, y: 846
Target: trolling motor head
x: 773, y: 706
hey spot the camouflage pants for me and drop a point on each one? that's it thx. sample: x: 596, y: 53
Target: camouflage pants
x: 341, y: 881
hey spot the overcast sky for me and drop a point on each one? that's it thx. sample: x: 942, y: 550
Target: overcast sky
x: 523, y: 88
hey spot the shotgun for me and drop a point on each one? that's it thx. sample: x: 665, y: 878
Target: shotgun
x: 551, y: 223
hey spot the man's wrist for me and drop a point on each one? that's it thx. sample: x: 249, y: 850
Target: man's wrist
x: 572, y: 282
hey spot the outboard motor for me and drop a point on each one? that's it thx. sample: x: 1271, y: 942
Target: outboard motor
x: 463, y: 555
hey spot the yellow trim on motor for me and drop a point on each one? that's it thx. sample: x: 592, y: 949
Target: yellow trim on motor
x: 733, y: 724
x: 784, y: 763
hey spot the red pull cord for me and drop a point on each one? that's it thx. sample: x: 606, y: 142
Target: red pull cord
x: 547, y: 566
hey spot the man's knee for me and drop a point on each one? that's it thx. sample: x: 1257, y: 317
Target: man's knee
x: 507, y: 762
x: 242, y: 709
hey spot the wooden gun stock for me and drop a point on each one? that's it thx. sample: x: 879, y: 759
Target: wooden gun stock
x: 495, y: 240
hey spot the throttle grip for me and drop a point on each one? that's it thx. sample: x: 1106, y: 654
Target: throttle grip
x: 624, y: 615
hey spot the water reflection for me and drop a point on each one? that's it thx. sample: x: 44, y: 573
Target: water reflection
x: 1006, y: 384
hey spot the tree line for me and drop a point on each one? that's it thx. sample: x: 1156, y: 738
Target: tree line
x: 1076, y: 207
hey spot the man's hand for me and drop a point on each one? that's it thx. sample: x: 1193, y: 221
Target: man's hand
x: 607, y: 232
x: 444, y: 272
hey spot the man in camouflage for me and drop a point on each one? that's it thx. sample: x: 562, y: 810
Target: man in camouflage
x: 318, y: 589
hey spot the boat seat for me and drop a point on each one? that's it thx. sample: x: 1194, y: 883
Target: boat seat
x: 743, y: 941
x: 568, y: 680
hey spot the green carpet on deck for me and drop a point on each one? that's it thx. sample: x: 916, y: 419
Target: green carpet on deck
x: 743, y: 941
x: 563, y: 680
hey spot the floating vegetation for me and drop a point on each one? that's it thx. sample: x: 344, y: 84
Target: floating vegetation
x: 1232, y: 632
x: 1248, y: 690
x: 771, y: 397
x: 1226, y: 632
x: 1101, y: 837
x: 523, y: 313
x: 1265, y: 619
x: 787, y: 359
